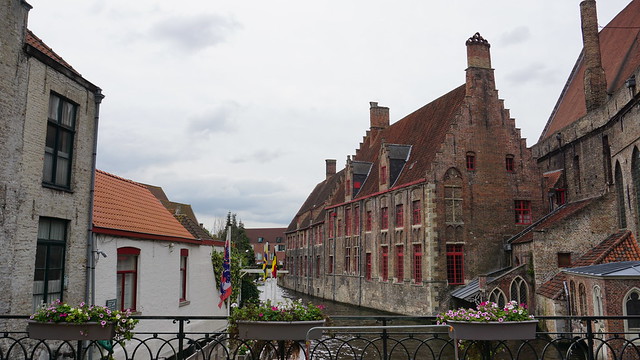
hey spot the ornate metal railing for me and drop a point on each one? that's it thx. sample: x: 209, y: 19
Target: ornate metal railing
x: 356, y: 337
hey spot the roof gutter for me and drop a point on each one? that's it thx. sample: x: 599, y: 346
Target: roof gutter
x: 90, y: 294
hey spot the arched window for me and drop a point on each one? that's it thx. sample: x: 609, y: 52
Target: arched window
x: 582, y: 298
x: 572, y: 295
x: 622, y: 216
x: 497, y: 296
x: 518, y: 290
x: 597, y: 301
x: 635, y: 173
x: 632, y: 307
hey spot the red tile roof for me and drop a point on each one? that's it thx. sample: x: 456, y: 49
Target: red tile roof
x: 621, y: 246
x: 37, y: 43
x: 620, y: 49
x: 424, y: 129
x: 552, y: 178
x: 127, y: 208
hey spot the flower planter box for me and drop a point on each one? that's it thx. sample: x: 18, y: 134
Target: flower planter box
x: 278, y: 330
x: 70, y: 331
x: 493, y: 330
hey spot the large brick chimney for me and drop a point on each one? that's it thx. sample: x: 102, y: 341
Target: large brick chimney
x: 378, y: 116
x: 595, y: 82
x: 331, y: 167
x: 478, y: 55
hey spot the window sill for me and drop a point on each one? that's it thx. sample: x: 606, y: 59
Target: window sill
x: 57, y: 187
x: 184, y: 303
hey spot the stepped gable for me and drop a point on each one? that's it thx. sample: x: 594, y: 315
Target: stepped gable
x: 424, y: 130
x: 618, y: 247
x: 620, y: 54
x: 126, y: 208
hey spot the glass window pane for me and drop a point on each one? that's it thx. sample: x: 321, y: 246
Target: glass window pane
x: 126, y: 262
x: 62, y: 171
x: 129, y: 290
x: 44, y: 227
x: 54, y: 103
x: 68, y: 114
x: 57, y: 230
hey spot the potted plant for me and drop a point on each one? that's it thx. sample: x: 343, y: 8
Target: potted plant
x: 290, y: 320
x: 61, y: 321
x: 490, y: 322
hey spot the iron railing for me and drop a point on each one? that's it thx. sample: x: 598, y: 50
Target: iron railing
x: 348, y: 337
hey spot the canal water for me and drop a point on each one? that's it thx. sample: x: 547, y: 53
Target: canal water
x: 271, y: 291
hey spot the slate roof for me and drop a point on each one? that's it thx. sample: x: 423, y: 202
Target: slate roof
x: 620, y: 49
x: 618, y: 248
x: 424, y: 130
x: 617, y: 269
x: 126, y: 208
x: 469, y: 291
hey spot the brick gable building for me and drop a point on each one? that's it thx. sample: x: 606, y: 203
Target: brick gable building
x: 425, y: 204
x: 48, y: 134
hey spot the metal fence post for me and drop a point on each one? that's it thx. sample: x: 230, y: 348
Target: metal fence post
x: 181, y: 337
x: 384, y: 340
x: 589, y: 340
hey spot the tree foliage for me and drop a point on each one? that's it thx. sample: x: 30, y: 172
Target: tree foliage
x: 242, y: 256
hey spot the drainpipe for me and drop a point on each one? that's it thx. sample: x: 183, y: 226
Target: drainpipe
x: 90, y: 285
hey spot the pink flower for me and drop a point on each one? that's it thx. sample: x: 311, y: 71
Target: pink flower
x: 261, y: 314
x: 103, y: 323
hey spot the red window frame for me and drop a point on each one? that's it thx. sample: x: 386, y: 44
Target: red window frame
x: 332, y: 221
x: 383, y: 174
x: 560, y: 196
x: 455, y: 264
x: 356, y: 220
x: 400, y: 263
x: 471, y: 162
x: 368, y: 266
x: 317, y: 266
x: 330, y: 264
x: 523, y: 212
x: 417, y: 263
x: 384, y: 218
x: 347, y: 222
x: 121, y: 275
x: 184, y: 261
x: 369, y: 221
x: 509, y: 164
x: 417, y: 212
x: 384, y: 266
x: 400, y: 215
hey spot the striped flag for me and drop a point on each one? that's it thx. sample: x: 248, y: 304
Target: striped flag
x: 274, y: 266
x: 225, y: 279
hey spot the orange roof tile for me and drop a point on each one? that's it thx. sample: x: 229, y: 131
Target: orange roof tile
x: 620, y: 49
x: 37, y: 43
x: 621, y: 246
x: 127, y: 208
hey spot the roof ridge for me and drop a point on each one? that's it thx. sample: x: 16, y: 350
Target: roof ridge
x: 121, y: 178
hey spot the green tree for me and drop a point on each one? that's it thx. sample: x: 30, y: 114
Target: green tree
x: 242, y: 257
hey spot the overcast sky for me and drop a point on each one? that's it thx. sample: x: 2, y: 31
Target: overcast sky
x: 234, y: 105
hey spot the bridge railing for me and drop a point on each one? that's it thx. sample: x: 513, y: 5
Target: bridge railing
x: 345, y: 337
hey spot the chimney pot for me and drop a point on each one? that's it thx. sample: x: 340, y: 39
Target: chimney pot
x: 478, y: 54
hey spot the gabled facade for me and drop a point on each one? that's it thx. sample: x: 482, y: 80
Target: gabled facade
x: 48, y: 134
x: 152, y: 265
x: 589, y: 154
x: 425, y: 204
x: 270, y: 241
